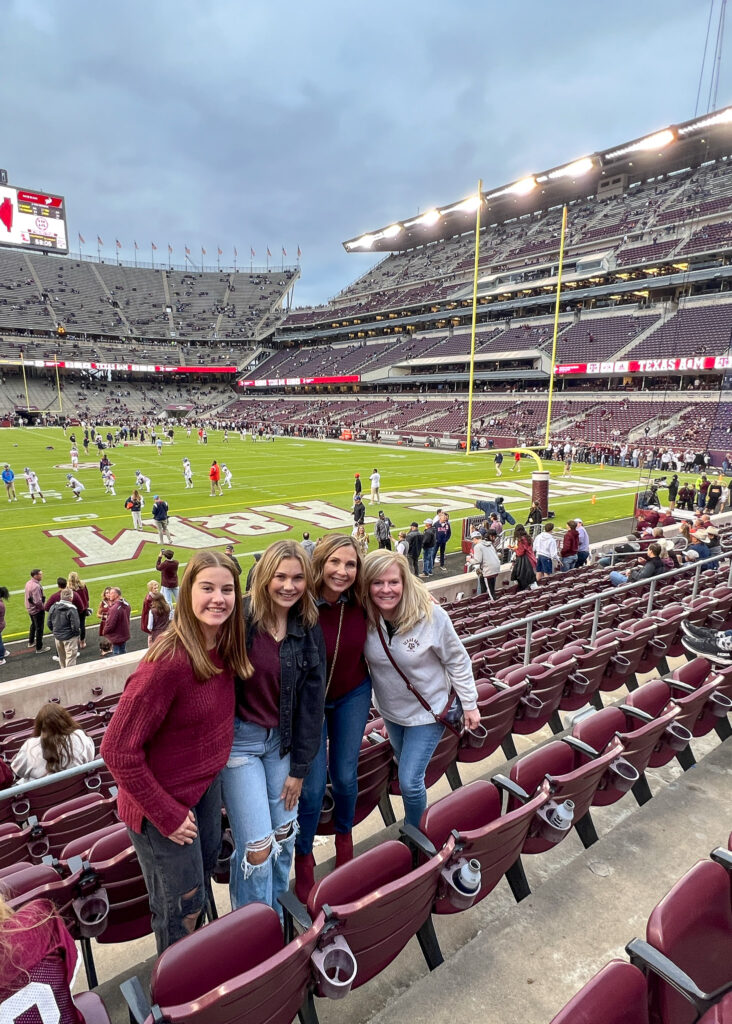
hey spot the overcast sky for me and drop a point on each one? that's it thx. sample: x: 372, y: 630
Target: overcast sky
x: 255, y: 124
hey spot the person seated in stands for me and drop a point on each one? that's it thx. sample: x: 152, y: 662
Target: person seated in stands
x: 57, y: 743
x: 700, y: 544
x: 38, y: 960
x: 649, y: 565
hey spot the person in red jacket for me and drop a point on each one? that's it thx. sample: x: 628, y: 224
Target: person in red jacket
x: 117, y: 626
x: 214, y: 475
x: 171, y: 736
x: 152, y: 588
x: 570, y: 546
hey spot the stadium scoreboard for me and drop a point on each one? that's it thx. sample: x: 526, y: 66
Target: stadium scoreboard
x: 32, y: 220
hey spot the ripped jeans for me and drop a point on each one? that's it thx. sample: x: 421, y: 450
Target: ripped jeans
x: 253, y: 779
x: 177, y: 876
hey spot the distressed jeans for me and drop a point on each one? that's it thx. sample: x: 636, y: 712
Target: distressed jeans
x: 253, y: 779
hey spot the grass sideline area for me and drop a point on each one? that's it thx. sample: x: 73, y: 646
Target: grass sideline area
x: 279, y: 489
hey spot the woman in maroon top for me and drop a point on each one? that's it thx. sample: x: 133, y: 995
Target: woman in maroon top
x: 170, y: 737
x: 524, y: 565
x: 153, y: 587
x: 337, y: 580
x: 80, y: 589
x: 103, y: 610
x: 570, y: 546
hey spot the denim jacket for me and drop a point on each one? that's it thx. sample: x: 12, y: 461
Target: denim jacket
x: 302, y: 691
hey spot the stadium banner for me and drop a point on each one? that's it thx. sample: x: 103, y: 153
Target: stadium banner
x: 127, y: 367
x: 681, y: 365
x: 294, y: 381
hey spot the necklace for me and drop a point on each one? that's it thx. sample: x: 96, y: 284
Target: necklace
x: 278, y: 632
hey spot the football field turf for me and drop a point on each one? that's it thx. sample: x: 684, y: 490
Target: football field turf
x: 279, y: 489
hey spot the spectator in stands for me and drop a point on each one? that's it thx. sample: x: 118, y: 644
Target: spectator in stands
x: 278, y: 725
x: 167, y: 566
x: 443, y: 532
x: 160, y: 510
x: 117, y: 625
x: 402, y: 547
x: 4, y: 596
x: 534, y: 518
x: 399, y: 607
x: 37, y: 950
x: 484, y: 560
x: 545, y: 549
x: 649, y: 565
x: 34, y: 605
x: 159, y: 615
x: 62, y: 583
x: 57, y: 743
x: 382, y: 530
x: 153, y: 587
x: 82, y: 593
x: 134, y: 505
x: 583, y: 551
x: 414, y: 547
x: 337, y: 571
x: 700, y: 544
x: 63, y: 621
x: 429, y: 548
x: 362, y: 540
x: 229, y: 550
x: 170, y: 737
x: 570, y: 546
x: 103, y: 610
x: 524, y: 564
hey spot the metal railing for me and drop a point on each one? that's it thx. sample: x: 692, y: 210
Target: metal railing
x: 68, y: 773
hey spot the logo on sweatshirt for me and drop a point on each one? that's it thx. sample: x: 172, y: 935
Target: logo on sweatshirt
x: 411, y: 643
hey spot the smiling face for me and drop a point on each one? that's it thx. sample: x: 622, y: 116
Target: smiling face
x: 339, y: 572
x: 287, y: 585
x: 212, y: 600
x: 386, y: 591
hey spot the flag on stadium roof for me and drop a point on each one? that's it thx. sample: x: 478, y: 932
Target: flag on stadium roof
x: 170, y: 247
x: 154, y: 246
x: 299, y: 252
x: 136, y: 245
x: 203, y: 251
x: 269, y: 253
x: 235, y: 253
x: 99, y: 241
x: 284, y: 253
x: 188, y: 251
x: 253, y: 253
x: 220, y: 251
x: 118, y: 243
x: 81, y: 239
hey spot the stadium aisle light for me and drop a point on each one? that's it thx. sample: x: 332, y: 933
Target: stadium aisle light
x: 656, y: 141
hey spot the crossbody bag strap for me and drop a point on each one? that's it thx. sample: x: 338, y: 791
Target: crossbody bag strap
x: 411, y: 688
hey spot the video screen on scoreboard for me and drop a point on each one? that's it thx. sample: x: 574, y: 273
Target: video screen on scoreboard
x: 32, y: 220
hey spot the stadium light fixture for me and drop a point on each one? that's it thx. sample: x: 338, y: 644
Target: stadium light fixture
x: 523, y: 186
x: 429, y: 218
x: 659, y: 140
x: 469, y: 205
x: 392, y: 231
x: 576, y: 169
x: 364, y: 242
x: 722, y: 117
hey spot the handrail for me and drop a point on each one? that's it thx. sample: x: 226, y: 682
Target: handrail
x: 67, y: 773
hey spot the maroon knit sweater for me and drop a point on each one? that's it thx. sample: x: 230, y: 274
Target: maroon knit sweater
x: 168, y: 740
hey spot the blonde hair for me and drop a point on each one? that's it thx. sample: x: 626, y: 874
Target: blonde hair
x: 74, y: 581
x: 38, y: 913
x: 152, y: 586
x: 262, y: 606
x: 329, y: 544
x: 185, y: 629
x: 415, y: 604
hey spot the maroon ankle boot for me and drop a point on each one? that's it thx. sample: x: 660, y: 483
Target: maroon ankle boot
x: 344, y: 848
x: 304, y: 875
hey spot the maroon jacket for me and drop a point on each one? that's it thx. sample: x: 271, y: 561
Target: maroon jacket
x: 75, y: 597
x: 168, y: 569
x: 570, y: 544
x: 117, y: 626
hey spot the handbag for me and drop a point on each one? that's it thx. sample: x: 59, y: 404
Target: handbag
x: 451, y: 715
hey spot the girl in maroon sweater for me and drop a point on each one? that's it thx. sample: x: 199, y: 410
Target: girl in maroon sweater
x: 337, y: 570
x: 170, y: 737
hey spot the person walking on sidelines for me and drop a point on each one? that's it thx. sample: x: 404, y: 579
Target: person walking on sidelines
x: 414, y: 547
x: 64, y: 623
x: 429, y: 548
x: 498, y: 462
x: 214, y: 475
x: 117, y: 625
x: 357, y: 485
x: 382, y: 530
x: 443, y: 532
x: 34, y: 605
x: 359, y: 513
x: 534, y: 518
x: 516, y: 467
x: 486, y: 563
x: 160, y: 515
x: 167, y: 566
x: 375, y: 479
x: 134, y: 505
x: 9, y: 480
x: 229, y: 551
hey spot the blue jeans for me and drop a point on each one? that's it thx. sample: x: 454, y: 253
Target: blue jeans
x: 343, y: 727
x: 2, y: 647
x: 569, y: 562
x: 582, y: 557
x: 253, y: 779
x: 173, y: 872
x: 119, y: 648
x: 413, y: 747
x: 618, y: 579
x: 429, y: 560
x: 441, y: 545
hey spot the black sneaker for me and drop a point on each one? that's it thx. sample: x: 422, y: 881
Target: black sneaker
x: 699, y: 632
x: 708, y: 648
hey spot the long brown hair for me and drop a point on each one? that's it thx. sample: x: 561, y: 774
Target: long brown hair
x: 55, y: 727
x: 262, y: 605
x: 185, y: 629
x: 327, y: 546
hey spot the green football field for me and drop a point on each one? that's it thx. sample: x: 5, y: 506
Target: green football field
x: 279, y: 489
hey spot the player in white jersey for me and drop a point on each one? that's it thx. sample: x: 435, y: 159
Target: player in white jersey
x: 187, y: 473
x: 108, y: 478
x: 226, y: 474
x: 74, y: 455
x: 76, y: 485
x: 142, y: 481
x: 34, y: 488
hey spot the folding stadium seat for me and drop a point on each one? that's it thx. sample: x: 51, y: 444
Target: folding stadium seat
x: 634, y: 637
x: 546, y: 686
x: 639, y: 734
x: 374, y: 772
x: 442, y: 762
x: 657, y: 696
x: 618, y: 994
x: 701, y: 610
x: 81, y: 845
x: 378, y: 901
x: 489, y: 661
x: 671, y: 613
x: 498, y: 704
x: 699, y: 671
x: 485, y: 833
x: 71, y: 820
x: 657, y: 646
x: 722, y: 615
x: 584, y: 682
x: 559, y: 770
x: 692, y: 927
x: 38, y: 801
x: 686, y: 682
x: 237, y: 968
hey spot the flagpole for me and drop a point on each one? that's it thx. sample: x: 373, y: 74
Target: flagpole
x: 58, y: 386
x: 218, y: 259
x: 99, y: 251
x: 152, y: 254
x: 79, y: 246
x: 135, y: 253
x: 556, y: 328
x: 25, y: 382
x: 475, y: 316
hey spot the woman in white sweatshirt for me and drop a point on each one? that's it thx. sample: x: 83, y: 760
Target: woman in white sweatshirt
x: 424, y: 645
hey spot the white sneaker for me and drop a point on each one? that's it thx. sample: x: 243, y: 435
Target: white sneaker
x: 3, y: 661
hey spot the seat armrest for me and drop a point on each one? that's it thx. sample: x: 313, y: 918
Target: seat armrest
x: 648, y: 959
x: 642, y: 716
x: 580, y: 746
x: 417, y: 840
x: 723, y: 857
x: 677, y: 684
x: 295, y: 913
x: 506, y: 785
x: 137, y: 1002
